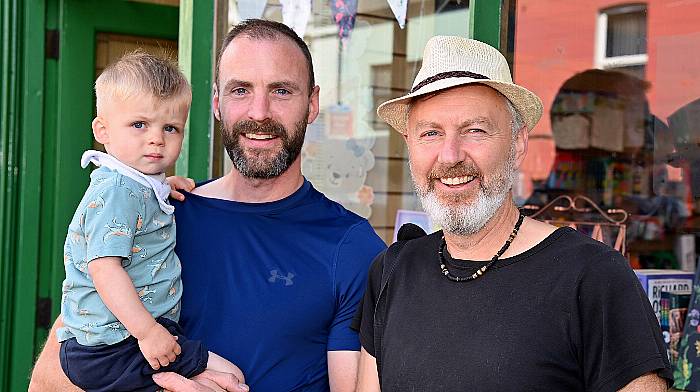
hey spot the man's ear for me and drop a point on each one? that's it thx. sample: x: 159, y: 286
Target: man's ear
x: 521, y: 145
x: 313, y: 105
x: 215, y: 104
x: 99, y: 130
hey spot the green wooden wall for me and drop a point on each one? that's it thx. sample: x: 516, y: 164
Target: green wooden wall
x: 21, y: 101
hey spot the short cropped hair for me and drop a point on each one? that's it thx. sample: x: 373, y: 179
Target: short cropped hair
x: 266, y: 30
x: 139, y: 72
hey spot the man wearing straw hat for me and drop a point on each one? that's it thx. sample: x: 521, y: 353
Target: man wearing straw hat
x: 494, y: 301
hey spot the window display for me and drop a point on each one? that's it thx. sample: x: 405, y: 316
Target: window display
x: 619, y: 84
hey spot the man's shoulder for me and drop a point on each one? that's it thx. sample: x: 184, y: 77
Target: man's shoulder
x: 323, y: 207
x: 408, y: 251
x: 574, y: 253
x: 417, y: 243
x: 573, y: 241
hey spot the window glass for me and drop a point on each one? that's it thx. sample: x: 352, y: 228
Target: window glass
x: 621, y: 93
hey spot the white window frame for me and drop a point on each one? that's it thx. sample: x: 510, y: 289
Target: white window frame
x: 601, y: 61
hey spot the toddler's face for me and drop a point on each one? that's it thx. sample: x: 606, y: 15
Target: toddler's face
x: 143, y: 132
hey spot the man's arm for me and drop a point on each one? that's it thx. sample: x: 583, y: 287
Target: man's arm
x: 367, y: 377
x: 342, y: 370
x: 47, y: 374
x: 650, y: 382
x: 359, y: 247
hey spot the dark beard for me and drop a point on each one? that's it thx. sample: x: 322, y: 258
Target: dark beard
x: 261, y: 164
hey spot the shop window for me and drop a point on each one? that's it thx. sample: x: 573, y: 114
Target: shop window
x: 621, y: 39
x: 621, y: 105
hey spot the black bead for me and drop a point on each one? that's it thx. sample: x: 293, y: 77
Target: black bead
x: 443, y: 262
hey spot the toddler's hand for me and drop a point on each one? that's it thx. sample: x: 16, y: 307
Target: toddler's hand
x: 179, y: 183
x: 159, y: 347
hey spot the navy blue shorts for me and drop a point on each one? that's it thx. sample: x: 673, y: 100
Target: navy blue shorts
x: 122, y: 366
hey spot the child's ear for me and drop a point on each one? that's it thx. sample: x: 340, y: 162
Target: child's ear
x: 99, y: 130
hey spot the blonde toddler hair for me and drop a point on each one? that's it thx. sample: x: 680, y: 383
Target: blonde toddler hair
x: 139, y: 72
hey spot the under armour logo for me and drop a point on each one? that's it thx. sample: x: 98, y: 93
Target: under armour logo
x: 275, y: 275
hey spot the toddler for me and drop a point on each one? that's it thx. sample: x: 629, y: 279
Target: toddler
x: 121, y: 295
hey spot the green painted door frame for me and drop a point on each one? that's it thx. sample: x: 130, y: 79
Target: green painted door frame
x: 21, y: 103
x: 196, y: 57
x: 485, y: 21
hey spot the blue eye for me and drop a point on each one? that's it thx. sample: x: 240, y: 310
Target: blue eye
x: 170, y: 129
x: 138, y: 125
x: 239, y: 91
x: 430, y: 133
x: 281, y: 91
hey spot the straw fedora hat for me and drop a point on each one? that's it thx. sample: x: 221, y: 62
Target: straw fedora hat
x: 450, y: 61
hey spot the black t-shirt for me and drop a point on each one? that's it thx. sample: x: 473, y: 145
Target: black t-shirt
x: 567, y: 315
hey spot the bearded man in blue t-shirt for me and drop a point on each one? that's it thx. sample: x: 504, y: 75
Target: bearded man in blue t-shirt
x: 272, y: 269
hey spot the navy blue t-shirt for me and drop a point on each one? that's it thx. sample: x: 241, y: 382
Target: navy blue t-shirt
x: 273, y: 286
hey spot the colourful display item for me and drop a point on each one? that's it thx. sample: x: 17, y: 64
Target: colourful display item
x: 654, y: 281
x: 678, y: 309
x: 686, y: 372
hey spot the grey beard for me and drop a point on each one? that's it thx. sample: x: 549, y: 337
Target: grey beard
x: 466, y: 219
x: 463, y: 219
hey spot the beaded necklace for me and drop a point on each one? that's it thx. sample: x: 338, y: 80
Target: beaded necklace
x: 482, y: 270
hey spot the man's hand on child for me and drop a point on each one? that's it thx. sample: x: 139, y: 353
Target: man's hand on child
x: 179, y: 183
x: 208, y: 381
x: 159, y: 347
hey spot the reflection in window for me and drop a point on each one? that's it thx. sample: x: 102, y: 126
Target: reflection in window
x: 621, y: 93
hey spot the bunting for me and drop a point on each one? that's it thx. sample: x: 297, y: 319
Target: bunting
x: 344, y: 13
x: 399, y: 7
x: 251, y: 9
x: 296, y: 14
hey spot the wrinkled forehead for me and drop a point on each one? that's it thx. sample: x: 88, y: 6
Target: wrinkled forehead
x: 473, y: 100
